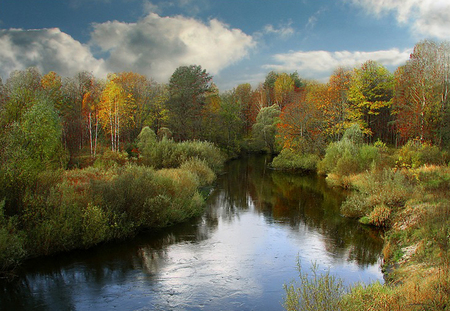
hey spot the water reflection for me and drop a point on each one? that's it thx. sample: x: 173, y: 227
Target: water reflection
x: 235, y: 257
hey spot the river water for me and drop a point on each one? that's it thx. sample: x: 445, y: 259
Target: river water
x: 237, y: 256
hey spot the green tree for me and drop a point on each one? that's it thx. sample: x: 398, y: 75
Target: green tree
x: 188, y: 89
x: 30, y: 146
x: 265, y: 129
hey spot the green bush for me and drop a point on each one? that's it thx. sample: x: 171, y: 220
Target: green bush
x: 349, y: 155
x: 169, y: 154
x: 289, y: 160
x: 12, y: 250
x: 416, y: 153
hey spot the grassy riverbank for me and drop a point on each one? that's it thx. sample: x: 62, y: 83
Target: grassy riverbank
x: 406, y: 191
x: 113, y: 199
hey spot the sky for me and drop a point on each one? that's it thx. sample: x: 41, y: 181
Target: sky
x: 236, y: 41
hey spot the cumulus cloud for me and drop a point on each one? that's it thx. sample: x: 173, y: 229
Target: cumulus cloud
x: 46, y: 49
x: 426, y: 17
x: 156, y: 46
x: 320, y: 64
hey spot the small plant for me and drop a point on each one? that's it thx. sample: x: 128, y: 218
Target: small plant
x: 314, y: 292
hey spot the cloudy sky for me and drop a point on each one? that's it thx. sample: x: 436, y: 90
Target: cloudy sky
x: 236, y: 41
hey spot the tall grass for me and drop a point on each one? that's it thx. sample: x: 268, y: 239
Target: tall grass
x: 314, y: 292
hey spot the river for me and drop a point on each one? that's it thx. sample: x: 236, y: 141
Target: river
x: 236, y: 256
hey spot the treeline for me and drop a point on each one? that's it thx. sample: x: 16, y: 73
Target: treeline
x: 283, y: 112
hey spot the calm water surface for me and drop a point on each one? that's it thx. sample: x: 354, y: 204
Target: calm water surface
x: 237, y: 256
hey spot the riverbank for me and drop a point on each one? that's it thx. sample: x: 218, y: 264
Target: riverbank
x: 409, y: 196
x: 114, y: 199
x: 414, y: 205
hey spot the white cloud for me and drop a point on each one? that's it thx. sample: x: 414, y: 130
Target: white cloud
x: 156, y: 46
x: 283, y: 31
x: 426, y: 17
x: 320, y: 64
x: 47, y: 49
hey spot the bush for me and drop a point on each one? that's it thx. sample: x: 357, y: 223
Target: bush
x: 169, y: 154
x: 12, y: 250
x: 289, y: 160
x: 416, y: 153
x: 200, y: 169
x: 350, y: 156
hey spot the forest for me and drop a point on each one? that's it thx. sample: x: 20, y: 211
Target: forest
x: 86, y: 160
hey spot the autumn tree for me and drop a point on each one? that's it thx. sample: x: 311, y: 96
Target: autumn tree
x: 301, y: 126
x: 283, y: 90
x: 74, y: 114
x: 244, y: 96
x: 115, y: 107
x: 332, y: 101
x: 188, y: 88
x: 421, y: 104
x: 91, y: 112
x: 370, y: 94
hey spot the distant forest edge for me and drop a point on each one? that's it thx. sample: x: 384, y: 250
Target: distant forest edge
x: 89, y: 115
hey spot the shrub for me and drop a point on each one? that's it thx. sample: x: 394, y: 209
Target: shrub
x: 12, y: 250
x: 169, y: 154
x: 380, y: 216
x: 110, y: 159
x: 94, y: 226
x: 200, y: 169
x: 289, y: 160
x: 344, y: 148
x: 416, y: 153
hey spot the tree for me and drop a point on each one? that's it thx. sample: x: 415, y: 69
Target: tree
x: 31, y: 145
x: 188, y: 88
x: 115, y: 107
x: 91, y: 110
x: 244, y: 96
x: 301, y: 127
x: 370, y: 94
x: 20, y: 92
x: 335, y: 105
x: 283, y: 88
x: 77, y: 91
x: 264, y: 130
x: 421, y: 102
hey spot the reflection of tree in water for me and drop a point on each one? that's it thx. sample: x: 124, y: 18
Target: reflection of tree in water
x: 295, y: 199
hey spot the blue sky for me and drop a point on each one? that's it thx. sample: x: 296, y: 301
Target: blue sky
x: 236, y: 41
